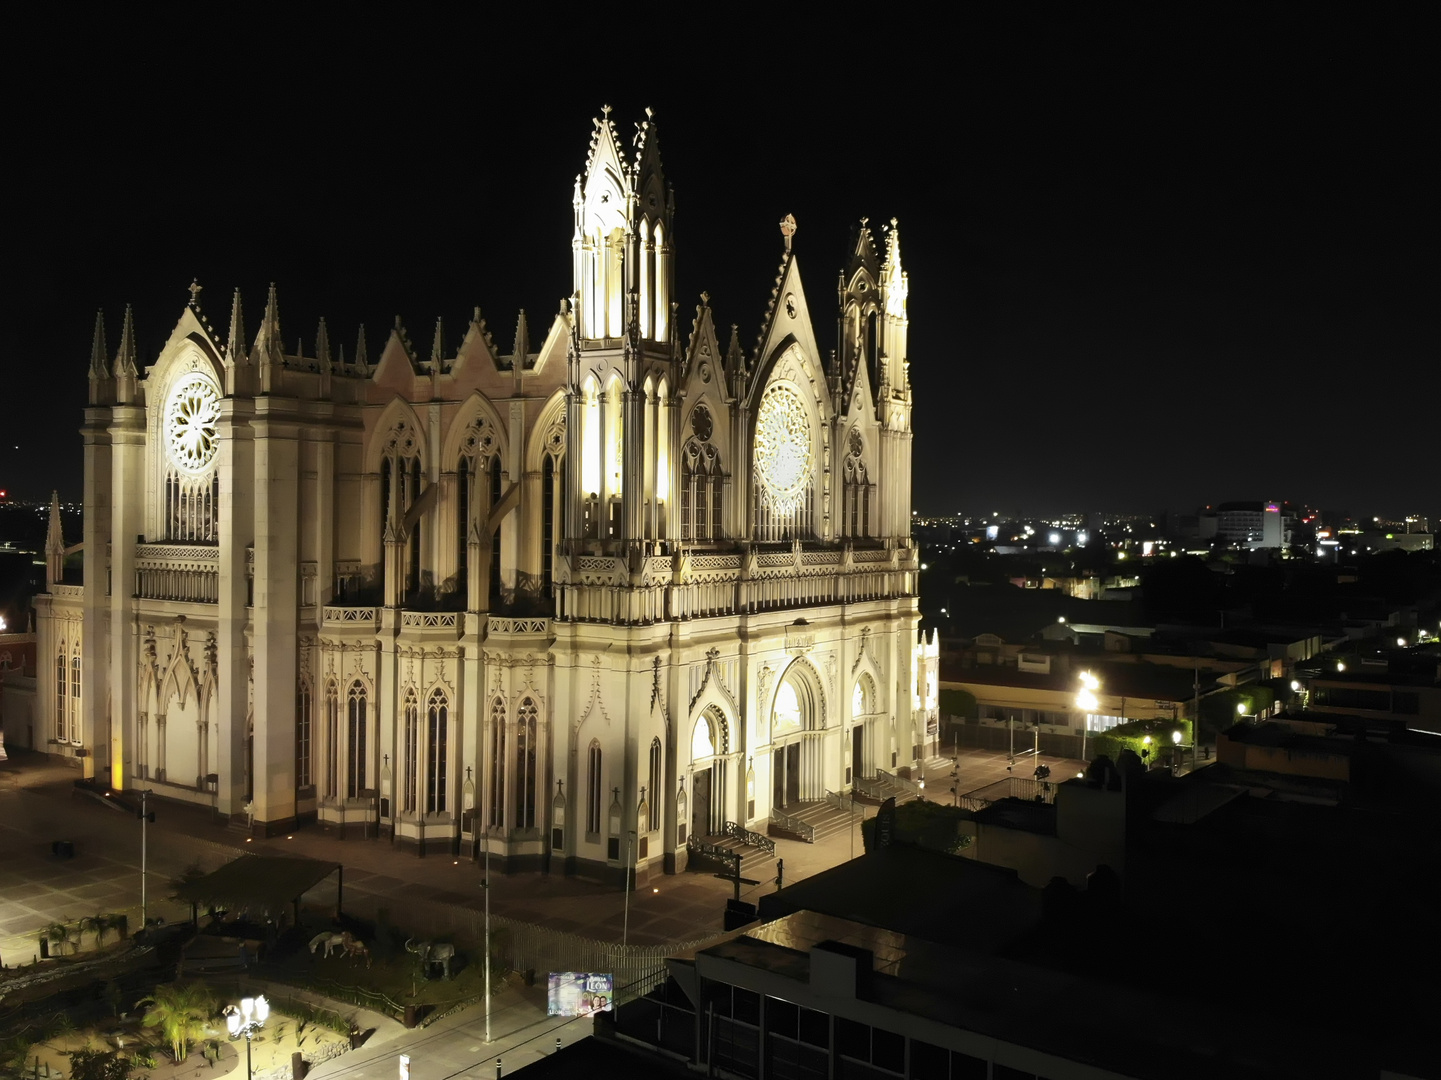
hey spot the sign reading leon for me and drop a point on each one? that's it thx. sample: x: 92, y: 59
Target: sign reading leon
x: 579, y: 993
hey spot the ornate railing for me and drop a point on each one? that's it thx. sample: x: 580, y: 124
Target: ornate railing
x: 186, y: 572
x: 739, y: 832
x: 730, y: 858
x: 68, y: 592
x: 360, y: 615
x: 899, y: 782
x: 499, y: 624
x: 428, y: 620
x: 844, y: 803
x: 794, y: 825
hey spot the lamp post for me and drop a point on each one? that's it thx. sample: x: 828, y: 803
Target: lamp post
x: 1146, y: 751
x: 485, y: 886
x: 1175, y: 751
x: 247, y: 1020
x: 1088, y: 703
x: 146, y: 817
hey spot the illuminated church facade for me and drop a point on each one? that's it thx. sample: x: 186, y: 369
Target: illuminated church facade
x: 621, y: 581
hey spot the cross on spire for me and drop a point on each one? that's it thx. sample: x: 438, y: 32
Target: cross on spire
x: 194, y: 289
x: 788, y: 229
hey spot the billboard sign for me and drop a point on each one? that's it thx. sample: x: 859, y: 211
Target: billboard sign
x: 579, y: 993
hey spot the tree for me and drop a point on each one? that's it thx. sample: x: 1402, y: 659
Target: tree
x: 60, y: 935
x: 179, y: 1012
x: 99, y: 925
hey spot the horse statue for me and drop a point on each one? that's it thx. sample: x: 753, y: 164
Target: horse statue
x: 331, y: 939
x: 433, y: 952
x: 355, y: 948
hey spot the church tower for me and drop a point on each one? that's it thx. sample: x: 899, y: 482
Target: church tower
x: 622, y: 363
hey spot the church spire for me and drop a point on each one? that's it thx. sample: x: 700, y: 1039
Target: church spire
x: 522, y: 340
x: 362, y: 364
x: 54, y: 545
x: 322, y: 347
x: 125, y: 360
x: 235, y: 344
x: 437, y: 346
x: 99, y: 365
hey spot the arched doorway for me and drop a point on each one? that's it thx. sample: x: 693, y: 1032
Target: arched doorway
x: 708, y: 747
x: 796, y: 733
x: 863, y: 728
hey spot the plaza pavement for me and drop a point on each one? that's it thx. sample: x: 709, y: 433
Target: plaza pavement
x: 38, y: 805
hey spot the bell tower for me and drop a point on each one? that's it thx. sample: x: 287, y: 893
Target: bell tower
x: 621, y: 380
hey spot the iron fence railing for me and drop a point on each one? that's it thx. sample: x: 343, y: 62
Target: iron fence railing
x: 794, y: 825
x: 751, y: 839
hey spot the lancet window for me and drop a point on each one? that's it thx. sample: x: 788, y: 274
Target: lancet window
x: 595, y: 782
x: 401, y: 478
x: 497, y: 763
x: 356, y: 730
x: 437, y: 712
x: 657, y: 776
x: 410, y: 749
x: 75, y: 699
x: 525, y: 734
x: 62, y: 699
x: 857, y: 492
x: 702, y: 490
x: 332, y: 739
x: 475, y: 488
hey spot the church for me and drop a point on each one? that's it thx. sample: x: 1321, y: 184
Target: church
x: 584, y: 604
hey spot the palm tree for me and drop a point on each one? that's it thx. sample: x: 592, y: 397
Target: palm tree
x: 179, y: 1011
x: 99, y: 925
x: 60, y: 935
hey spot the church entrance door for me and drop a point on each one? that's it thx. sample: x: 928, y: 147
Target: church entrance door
x: 700, y: 804
x: 858, y: 750
x: 787, y: 770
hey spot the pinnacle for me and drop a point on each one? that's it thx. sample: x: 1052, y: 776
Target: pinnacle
x: 99, y: 366
x: 125, y: 359
x: 235, y: 347
x: 437, y: 346
x: 522, y: 339
x: 362, y: 364
x: 322, y: 345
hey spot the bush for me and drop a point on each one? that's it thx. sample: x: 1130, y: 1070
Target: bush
x: 1132, y: 736
x: 924, y: 824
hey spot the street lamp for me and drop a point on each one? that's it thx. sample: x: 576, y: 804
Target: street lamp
x: 1146, y: 751
x: 1088, y: 703
x: 1175, y: 751
x: 249, y: 1019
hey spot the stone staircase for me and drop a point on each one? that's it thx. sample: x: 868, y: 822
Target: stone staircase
x: 812, y: 822
x: 711, y: 854
x: 874, y: 790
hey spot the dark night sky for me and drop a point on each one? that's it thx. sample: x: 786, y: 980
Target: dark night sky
x: 1157, y: 258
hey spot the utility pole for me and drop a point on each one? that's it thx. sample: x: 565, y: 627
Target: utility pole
x: 1011, y: 734
x: 625, y: 925
x: 146, y: 817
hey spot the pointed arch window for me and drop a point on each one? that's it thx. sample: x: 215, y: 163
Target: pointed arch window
x: 497, y: 764
x: 75, y: 699
x: 548, y: 516
x: 437, y: 711
x: 62, y: 696
x: 356, y: 732
x: 858, y: 493
x: 495, y: 493
x: 302, y: 734
x: 400, y: 482
x: 410, y: 749
x: 657, y: 776
x: 191, y: 419
x: 332, y: 739
x: 702, y: 481
x: 595, y: 784
x: 525, y: 765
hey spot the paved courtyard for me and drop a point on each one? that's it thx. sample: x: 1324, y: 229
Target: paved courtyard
x: 38, y: 805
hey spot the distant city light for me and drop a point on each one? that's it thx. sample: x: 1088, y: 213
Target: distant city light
x: 1400, y: 641
x: 1055, y: 538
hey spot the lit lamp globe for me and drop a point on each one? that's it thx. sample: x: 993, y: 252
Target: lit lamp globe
x: 1295, y: 686
x: 1176, y: 737
x: 232, y: 1022
x: 1240, y: 708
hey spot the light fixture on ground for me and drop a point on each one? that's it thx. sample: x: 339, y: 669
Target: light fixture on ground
x: 246, y: 1021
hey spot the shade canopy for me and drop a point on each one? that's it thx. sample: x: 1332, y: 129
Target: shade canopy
x: 268, y: 884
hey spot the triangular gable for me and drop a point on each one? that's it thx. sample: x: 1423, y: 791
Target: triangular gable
x: 476, y: 361
x: 703, y: 366
x: 396, y: 369
x: 192, y: 326
x: 554, y: 348
x: 787, y: 322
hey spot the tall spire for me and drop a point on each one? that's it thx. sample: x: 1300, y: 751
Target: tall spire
x: 362, y: 364
x: 54, y: 544
x: 99, y: 363
x: 437, y: 347
x: 322, y: 347
x: 268, y: 344
x: 126, y: 357
x: 235, y: 345
x: 522, y: 340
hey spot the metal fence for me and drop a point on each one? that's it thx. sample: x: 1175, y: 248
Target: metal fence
x: 1009, y: 787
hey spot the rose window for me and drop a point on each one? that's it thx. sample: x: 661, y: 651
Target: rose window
x: 190, y: 423
x: 783, y: 447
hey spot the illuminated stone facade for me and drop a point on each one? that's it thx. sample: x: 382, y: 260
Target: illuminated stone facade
x: 618, y: 579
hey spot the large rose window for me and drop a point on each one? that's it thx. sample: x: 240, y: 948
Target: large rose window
x: 191, y: 416
x: 783, y: 447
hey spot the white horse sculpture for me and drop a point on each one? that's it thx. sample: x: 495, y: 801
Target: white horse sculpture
x: 433, y: 952
x: 332, y: 941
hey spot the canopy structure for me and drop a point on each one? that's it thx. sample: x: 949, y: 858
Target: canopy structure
x: 262, y: 884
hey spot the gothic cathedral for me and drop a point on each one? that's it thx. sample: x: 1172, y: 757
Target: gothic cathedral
x: 588, y: 602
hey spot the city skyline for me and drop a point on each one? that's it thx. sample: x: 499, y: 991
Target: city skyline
x: 1150, y: 257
